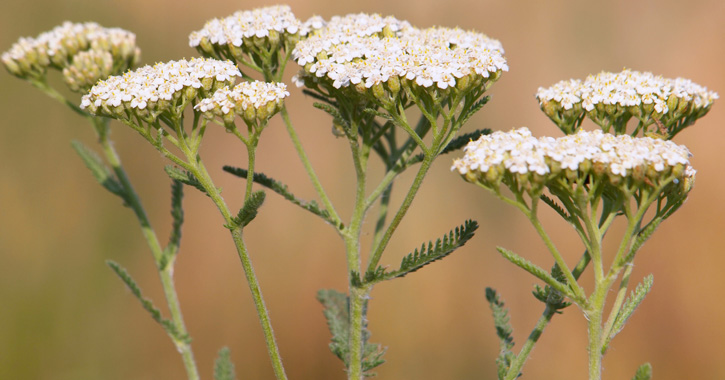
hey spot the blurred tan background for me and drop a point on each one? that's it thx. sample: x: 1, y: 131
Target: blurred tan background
x: 64, y: 315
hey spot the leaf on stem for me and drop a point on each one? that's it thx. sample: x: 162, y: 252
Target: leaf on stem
x: 455, y: 144
x: 147, y: 304
x: 628, y: 308
x: 644, y: 372
x: 504, y: 332
x: 642, y: 237
x: 463, y: 119
x: 550, y: 296
x: 100, y: 171
x: 426, y: 255
x: 249, y: 210
x: 337, y: 313
x: 223, y: 366
x: 177, y: 214
x: 536, y: 271
x: 281, y: 189
x: 555, y: 206
x: 337, y: 118
x: 184, y: 177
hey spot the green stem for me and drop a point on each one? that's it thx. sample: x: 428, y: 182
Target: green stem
x: 358, y: 297
x: 515, y: 369
x: 617, y: 307
x: 202, y: 175
x: 594, y: 319
x: 308, y: 167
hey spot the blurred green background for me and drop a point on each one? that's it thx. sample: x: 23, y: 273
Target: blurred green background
x: 64, y: 315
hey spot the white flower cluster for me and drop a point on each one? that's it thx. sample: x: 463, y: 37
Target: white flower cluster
x: 369, y: 49
x: 32, y: 56
x: 252, y: 100
x: 627, y: 89
x: 158, y: 88
x: 518, y: 152
x: 262, y: 22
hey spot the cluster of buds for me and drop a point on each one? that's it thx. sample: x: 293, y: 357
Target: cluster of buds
x: 87, y: 69
x: 254, y: 101
x: 379, y: 58
x: 30, y: 58
x: 663, y: 106
x: 255, y: 33
x: 163, y: 89
x: 623, y: 163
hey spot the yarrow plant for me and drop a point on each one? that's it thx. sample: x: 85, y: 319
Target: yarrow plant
x: 373, y: 75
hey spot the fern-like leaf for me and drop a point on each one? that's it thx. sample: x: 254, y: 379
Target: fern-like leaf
x: 641, y: 238
x: 334, y: 112
x: 536, y: 271
x: 550, y: 296
x: 223, y: 366
x: 281, y: 189
x: 504, y: 331
x: 555, y: 206
x: 455, y: 144
x: 99, y: 170
x: 184, y: 177
x: 644, y: 372
x: 337, y: 314
x: 177, y: 214
x: 427, y: 254
x: 147, y: 304
x: 463, y: 119
x: 249, y: 210
x: 629, y: 307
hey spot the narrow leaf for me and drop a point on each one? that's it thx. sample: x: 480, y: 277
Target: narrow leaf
x: 184, y: 177
x: 555, y: 206
x: 177, y: 214
x: 98, y: 169
x: 334, y: 112
x: 535, y: 270
x: 281, y: 189
x: 504, y: 331
x: 644, y: 372
x: 375, y: 112
x: 630, y: 305
x: 463, y: 119
x: 223, y: 366
x: 426, y: 255
x: 642, y: 237
x: 249, y: 211
x: 147, y: 304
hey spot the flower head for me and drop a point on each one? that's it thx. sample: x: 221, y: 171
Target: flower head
x: 610, y: 99
x: 164, y: 88
x: 259, y: 32
x: 31, y: 57
x: 523, y: 162
x: 254, y: 101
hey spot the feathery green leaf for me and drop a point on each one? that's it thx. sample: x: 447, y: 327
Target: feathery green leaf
x: 559, y: 210
x: 463, y: 119
x: 177, y: 214
x: 184, y: 177
x: 223, y: 366
x: 550, y: 296
x: 644, y: 372
x: 249, y: 211
x: 426, y: 255
x: 628, y: 308
x: 99, y: 170
x: 147, y: 304
x: 455, y: 144
x: 536, y: 271
x: 504, y: 332
x: 337, y: 314
x: 641, y: 238
x: 281, y: 189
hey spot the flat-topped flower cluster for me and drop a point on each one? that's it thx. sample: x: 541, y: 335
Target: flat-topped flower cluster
x: 251, y: 100
x: 31, y: 57
x: 611, y: 99
x: 267, y: 27
x: 368, y: 50
x: 163, y: 87
x: 539, y: 160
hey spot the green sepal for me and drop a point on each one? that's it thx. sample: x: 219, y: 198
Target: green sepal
x: 337, y: 314
x: 536, y: 271
x: 249, y: 210
x: 550, y: 296
x: 504, y: 331
x: 100, y: 171
x: 223, y: 366
x: 281, y: 189
x: 628, y: 308
x: 184, y: 177
x: 177, y: 215
x: 455, y: 144
x: 463, y: 118
x: 644, y: 372
x: 427, y: 254
x: 147, y: 304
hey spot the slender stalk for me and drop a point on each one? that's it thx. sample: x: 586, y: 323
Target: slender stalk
x: 523, y: 355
